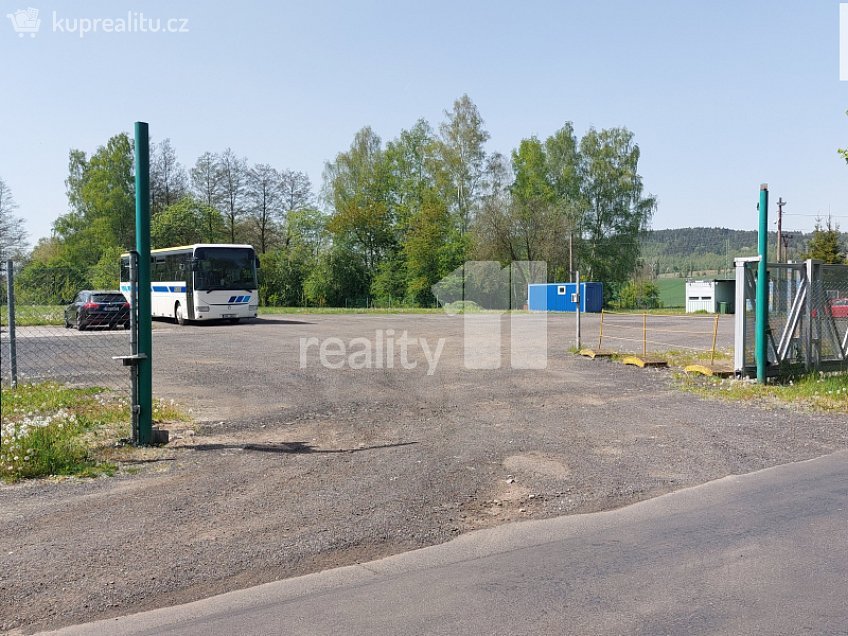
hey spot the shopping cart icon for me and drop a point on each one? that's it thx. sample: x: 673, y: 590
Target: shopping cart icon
x: 25, y: 21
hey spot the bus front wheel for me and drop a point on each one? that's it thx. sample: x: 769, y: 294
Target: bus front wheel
x: 178, y: 314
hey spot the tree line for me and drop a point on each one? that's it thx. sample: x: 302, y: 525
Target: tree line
x: 389, y: 220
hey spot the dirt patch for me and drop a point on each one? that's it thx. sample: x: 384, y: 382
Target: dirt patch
x: 538, y: 464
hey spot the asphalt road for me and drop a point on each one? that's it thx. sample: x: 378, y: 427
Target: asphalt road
x: 764, y: 553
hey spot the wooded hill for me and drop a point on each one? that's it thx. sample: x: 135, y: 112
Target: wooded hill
x: 696, y: 251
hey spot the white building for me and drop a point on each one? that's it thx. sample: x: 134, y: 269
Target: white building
x: 711, y: 296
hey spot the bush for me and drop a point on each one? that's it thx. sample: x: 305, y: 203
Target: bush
x: 641, y: 294
x: 463, y: 307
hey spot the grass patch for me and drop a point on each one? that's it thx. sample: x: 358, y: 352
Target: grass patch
x: 48, y: 429
x: 35, y: 315
x: 685, y: 357
x: 819, y: 392
x: 349, y: 310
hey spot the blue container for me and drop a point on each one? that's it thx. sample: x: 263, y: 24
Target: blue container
x: 557, y: 297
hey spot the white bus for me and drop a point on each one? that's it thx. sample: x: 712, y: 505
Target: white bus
x: 200, y: 282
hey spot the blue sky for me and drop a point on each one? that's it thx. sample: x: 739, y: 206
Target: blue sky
x: 720, y: 95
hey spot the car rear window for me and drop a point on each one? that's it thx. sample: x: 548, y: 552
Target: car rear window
x: 107, y: 298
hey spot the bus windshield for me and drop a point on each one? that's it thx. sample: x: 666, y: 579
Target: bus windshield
x: 224, y: 268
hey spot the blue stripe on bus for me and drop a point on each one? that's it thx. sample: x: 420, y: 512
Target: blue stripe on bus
x: 181, y: 289
x: 166, y: 289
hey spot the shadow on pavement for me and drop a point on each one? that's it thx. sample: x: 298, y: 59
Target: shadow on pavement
x: 291, y: 447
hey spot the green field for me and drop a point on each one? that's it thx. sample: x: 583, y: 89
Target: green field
x: 672, y: 291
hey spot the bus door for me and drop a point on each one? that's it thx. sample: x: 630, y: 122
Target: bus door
x: 188, y: 276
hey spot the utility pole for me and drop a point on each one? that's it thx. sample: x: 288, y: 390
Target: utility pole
x: 571, y: 255
x: 780, y: 253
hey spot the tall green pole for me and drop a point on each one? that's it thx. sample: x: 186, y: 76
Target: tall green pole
x: 142, y: 246
x: 761, y: 343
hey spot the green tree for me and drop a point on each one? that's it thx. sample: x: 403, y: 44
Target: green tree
x: 185, y: 222
x: 264, y: 207
x: 106, y: 273
x: 233, y: 174
x: 614, y: 213
x: 337, y: 279
x: 206, y: 185
x: 281, y: 277
x: 538, y: 223
x: 462, y: 159
x: 285, y: 268
x: 99, y: 224
x: 50, y: 276
x: 357, y: 187
x: 533, y: 220
x: 427, y: 243
x: 825, y: 244
x: 108, y: 192
x: 307, y: 228
x: 431, y: 250
x: 168, y: 180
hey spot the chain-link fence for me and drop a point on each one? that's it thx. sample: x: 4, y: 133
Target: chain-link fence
x: 643, y: 334
x: 52, y: 332
x: 808, y: 317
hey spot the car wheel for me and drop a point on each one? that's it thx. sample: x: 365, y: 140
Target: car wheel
x: 126, y: 325
x: 80, y: 325
x: 178, y: 314
x: 67, y: 323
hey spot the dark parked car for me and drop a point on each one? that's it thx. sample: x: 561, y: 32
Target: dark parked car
x: 98, y: 309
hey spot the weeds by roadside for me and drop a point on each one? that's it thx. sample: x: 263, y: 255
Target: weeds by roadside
x: 685, y: 357
x: 48, y: 429
x: 821, y: 392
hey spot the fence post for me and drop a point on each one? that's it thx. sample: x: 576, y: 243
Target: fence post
x: 142, y: 242
x: 577, y: 309
x: 134, y: 406
x: 715, y: 337
x: 10, y: 301
x: 762, y: 326
x: 601, y: 332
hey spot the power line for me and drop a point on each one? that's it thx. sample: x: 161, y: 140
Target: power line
x: 817, y: 216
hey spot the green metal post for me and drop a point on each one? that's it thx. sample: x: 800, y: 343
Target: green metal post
x: 142, y: 246
x: 761, y: 343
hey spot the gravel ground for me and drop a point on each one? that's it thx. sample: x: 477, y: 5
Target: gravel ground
x: 294, y: 470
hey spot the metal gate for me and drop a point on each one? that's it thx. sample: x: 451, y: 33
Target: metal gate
x: 808, y: 317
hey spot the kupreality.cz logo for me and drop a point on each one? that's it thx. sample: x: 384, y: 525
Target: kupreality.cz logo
x: 28, y: 22
x: 25, y: 22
